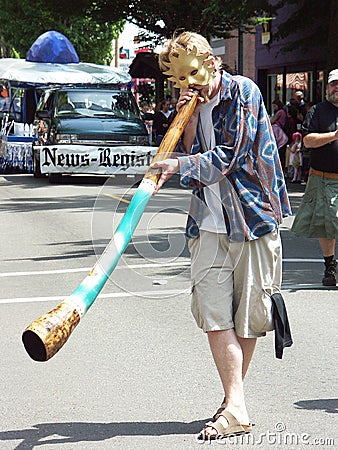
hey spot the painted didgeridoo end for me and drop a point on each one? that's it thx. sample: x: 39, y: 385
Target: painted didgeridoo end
x: 46, y: 335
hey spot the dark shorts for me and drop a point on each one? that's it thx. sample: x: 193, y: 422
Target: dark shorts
x: 317, y: 216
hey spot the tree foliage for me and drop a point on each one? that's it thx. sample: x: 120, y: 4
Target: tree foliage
x: 92, y: 25
x: 23, y: 21
x: 215, y: 18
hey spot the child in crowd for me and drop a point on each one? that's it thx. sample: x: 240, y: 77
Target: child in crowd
x: 296, y: 159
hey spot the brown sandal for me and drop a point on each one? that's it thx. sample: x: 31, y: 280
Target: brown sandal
x: 220, y: 410
x: 234, y: 428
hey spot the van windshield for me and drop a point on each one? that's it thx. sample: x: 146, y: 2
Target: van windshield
x: 97, y: 103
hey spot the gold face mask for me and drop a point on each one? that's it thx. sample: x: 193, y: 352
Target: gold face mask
x: 189, y: 68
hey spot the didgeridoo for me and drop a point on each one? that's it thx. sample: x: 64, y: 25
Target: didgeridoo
x: 44, y: 337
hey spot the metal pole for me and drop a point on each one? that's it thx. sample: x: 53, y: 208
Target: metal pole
x: 117, y: 52
x: 240, y: 49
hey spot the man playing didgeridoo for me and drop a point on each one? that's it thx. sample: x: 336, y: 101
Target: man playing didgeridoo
x: 229, y: 157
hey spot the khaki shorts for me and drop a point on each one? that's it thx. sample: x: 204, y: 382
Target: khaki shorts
x: 232, y: 283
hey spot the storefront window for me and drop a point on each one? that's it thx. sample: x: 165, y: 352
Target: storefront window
x: 296, y: 83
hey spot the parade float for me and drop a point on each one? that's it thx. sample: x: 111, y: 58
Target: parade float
x: 62, y: 116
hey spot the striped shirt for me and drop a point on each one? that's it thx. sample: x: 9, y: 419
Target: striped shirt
x: 244, y: 161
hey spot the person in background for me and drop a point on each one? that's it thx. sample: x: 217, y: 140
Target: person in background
x: 278, y: 121
x: 305, y: 151
x: 228, y: 156
x: 161, y: 121
x: 145, y: 111
x: 172, y: 108
x: 291, y: 112
x: 317, y: 216
x: 4, y: 99
x: 301, y: 102
x: 173, y: 103
x: 296, y: 160
x: 147, y: 117
x: 300, y: 98
x: 299, y: 116
x: 279, y: 114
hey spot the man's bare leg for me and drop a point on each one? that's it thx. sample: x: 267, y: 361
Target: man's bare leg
x: 232, y: 358
x: 327, y: 246
x: 248, y: 347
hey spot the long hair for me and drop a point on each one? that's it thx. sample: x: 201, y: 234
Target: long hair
x: 279, y: 104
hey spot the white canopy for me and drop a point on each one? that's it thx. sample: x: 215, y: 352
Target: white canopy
x: 22, y: 72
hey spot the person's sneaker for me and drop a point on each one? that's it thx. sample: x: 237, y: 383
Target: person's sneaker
x: 330, y: 274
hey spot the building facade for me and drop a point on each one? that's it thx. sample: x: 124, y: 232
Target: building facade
x: 278, y: 74
x: 281, y: 74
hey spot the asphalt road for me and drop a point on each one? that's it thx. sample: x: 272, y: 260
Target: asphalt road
x: 136, y: 372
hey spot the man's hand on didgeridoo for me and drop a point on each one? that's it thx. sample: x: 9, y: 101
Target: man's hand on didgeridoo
x: 168, y: 168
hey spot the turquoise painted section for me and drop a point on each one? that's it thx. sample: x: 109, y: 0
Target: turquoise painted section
x: 85, y: 294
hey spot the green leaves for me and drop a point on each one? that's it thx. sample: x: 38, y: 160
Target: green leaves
x: 23, y: 21
x: 92, y: 25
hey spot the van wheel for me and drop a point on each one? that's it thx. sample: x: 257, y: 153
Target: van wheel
x: 55, y: 178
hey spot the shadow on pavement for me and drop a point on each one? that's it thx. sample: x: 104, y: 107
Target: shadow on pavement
x: 63, y: 433
x: 308, y: 287
x: 328, y: 405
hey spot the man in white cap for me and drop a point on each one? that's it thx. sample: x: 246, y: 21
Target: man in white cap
x: 300, y: 98
x: 317, y: 216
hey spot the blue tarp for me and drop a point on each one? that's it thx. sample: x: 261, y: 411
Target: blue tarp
x: 52, y: 60
x: 52, y: 47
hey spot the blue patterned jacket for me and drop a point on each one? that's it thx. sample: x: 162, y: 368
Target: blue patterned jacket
x: 245, y: 161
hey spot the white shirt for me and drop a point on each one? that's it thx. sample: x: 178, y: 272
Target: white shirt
x: 213, y: 219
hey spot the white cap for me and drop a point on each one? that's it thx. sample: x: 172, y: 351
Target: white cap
x: 333, y: 75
